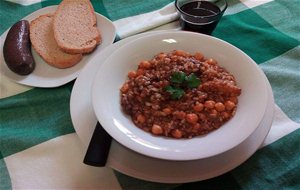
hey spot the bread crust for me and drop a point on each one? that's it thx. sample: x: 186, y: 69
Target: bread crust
x: 62, y: 36
x: 43, y: 42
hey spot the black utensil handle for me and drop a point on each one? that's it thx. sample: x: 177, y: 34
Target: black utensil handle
x: 98, y: 149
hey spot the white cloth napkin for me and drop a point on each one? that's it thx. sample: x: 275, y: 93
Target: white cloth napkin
x: 143, y: 22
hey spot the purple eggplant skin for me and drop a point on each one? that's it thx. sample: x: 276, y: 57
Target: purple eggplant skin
x: 17, y: 49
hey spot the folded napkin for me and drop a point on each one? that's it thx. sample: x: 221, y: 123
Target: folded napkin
x: 143, y: 22
x: 25, y: 2
x: 38, y: 146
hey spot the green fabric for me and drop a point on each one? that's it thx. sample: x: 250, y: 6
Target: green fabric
x: 5, y: 183
x: 265, y: 44
x: 100, y: 8
x: 284, y: 74
x: 276, y: 166
x: 237, y: 22
x: 11, y: 13
x: 272, y: 167
x: 118, y: 9
x: 49, y: 3
x: 254, y: 35
x: 97, y: 4
x: 33, y: 117
x: 268, y: 33
x: 235, y: 6
x: 279, y: 15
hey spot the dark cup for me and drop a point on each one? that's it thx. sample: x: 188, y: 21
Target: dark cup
x: 200, y: 15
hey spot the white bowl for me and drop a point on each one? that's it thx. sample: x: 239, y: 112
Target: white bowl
x: 113, y: 73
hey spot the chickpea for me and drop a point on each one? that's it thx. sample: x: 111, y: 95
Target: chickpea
x: 140, y: 118
x: 197, y: 126
x: 211, y: 61
x: 219, y: 106
x: 176, y: 133
x: 140, y: 72
x: 179, y: 114
x: 209, y: 104
x: 225, y: 115
x: 131, y: 74
x: 162, y: 55
x: 145, y: 64
x: 234, y: 99
x: 213, y: 114
x: 156, y: 129
x: 198, y: 107
x: 199, y: 56
x: 229, y: 105
x: 125, y: 88
x: 167, y: 111
x: 180, y: 53
x: 191, y: 118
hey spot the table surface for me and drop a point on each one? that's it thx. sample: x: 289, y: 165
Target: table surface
x: 39, y: 148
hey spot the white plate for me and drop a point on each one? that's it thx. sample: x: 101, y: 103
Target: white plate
x: 47, y: 76
x: 139, y: 166
x: 113, y: 73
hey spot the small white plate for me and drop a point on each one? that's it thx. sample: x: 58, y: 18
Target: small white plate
x: 139, y: 166
x: 47, y: 76
x: 113, y: 73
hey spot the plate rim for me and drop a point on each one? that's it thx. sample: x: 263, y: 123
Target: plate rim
x: 265, y: 127
x: 114, y: 160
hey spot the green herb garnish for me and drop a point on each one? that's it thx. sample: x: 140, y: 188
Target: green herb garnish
x: 176, y: 93
x: 179, y: 81
x: 192, y: 81
x: 178, y: 77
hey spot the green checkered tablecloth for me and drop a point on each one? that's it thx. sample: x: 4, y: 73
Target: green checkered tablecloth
x: 39, y: 148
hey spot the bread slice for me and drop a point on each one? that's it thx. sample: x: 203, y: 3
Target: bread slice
x: 75, y: 28
x: 42, y: 40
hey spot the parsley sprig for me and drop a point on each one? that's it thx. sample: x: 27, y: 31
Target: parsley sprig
x: 175, y: 92
x: 179, y: 80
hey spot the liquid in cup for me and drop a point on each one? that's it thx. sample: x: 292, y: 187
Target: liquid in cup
x: 200, y: 16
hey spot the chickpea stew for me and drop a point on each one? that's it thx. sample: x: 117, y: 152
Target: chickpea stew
x: 179, y: 95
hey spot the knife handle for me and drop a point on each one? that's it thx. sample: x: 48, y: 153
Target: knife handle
x: 98, y: 148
